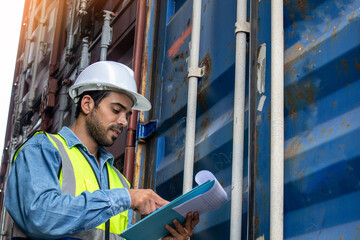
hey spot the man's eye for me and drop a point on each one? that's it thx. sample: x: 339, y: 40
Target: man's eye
x: 116, y: 111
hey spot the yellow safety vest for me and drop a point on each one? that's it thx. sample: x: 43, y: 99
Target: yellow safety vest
x: 77, y: 176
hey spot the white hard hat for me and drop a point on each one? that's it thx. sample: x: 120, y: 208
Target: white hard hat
x: 108, y: 75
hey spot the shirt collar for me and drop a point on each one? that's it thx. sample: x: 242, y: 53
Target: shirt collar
x: 72, y: 140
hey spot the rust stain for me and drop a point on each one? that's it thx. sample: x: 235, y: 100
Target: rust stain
x: 293, y: 52
x: 302, y: 4
x: 179, y: 56
x: 343, y: 122
x: 298, y: 95
x: 348, y: 125
x: 311, y: 138
x: 174, y: 49
x: 327, y: 28
x: 352, y: 16
x: 323, y: 131
x: 309, y: 38
x: 293, y: 148
x: 137, y: 179
x: 205, y: 122
x: 174, y: 98
x: 206, y: 61
x: 357, y: 64
x: 293, y: 114
x: 335, y: 104
x: 334, y: 31
x: 330, y: 130
x: 344, y: 64
x: 292, y: 16
x: 292, y: 72
x: 292, y: 33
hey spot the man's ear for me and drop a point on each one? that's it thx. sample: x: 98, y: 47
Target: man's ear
x: 87, y: 104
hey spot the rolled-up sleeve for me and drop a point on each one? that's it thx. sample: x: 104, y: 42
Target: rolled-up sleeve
x: 35, y: 201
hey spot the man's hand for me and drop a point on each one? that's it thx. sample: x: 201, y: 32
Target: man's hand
x: 145, y: 201
x: 185, y: 231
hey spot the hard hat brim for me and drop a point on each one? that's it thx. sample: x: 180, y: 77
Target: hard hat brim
x: 140, y: 102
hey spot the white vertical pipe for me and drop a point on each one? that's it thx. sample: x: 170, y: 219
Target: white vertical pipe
x: 238, y: 129
x: 277, y: 122
x: 192, y: 95
x: 37, y: 54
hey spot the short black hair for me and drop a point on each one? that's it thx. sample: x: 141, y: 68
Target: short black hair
x: 96, y: 95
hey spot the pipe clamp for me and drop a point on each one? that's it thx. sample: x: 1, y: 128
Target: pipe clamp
x: 242, y: 27
x: 196, y: 72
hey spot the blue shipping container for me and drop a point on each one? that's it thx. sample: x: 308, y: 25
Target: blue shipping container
x: 322, y: 110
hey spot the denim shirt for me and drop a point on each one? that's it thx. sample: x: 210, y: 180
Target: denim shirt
x: 34, y: 198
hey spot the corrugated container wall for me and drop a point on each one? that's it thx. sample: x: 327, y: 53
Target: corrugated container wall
x: 321, y: 94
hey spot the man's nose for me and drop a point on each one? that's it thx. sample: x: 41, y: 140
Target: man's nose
x: 123, y: 120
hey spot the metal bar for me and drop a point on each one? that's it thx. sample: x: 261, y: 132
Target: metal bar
x: 70, y: 40
x: 277, y: 122
x: 192, y: 101
x: 238, y: 130
x: 37, y: 53
x: 125, y: 5
x: 25, y: 64
x: 106, y: 35
x: 138, y: 52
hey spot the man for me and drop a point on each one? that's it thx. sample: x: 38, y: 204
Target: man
x: 59, y: 184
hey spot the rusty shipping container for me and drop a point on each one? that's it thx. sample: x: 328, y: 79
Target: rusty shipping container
x: 321, y: 102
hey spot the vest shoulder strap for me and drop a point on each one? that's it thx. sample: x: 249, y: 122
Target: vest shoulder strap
x: 68, y: 179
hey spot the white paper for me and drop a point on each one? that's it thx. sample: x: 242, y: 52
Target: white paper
x: 208, y: 201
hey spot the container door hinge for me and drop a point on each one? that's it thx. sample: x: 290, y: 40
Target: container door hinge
x: 144, y: 130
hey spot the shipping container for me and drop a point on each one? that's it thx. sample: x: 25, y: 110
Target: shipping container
x: 321, y: 102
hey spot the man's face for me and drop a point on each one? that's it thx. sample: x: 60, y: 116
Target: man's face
x: 106, y: 121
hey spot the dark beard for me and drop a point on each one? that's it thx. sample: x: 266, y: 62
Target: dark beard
x: 98, y: 132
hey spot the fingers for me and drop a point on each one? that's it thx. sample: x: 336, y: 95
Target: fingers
x: 173, y: 232
x: 188, y: 221
x: 180, y: 229
x: 195, y: 220
x: 183, y: 232
x: 145, y: 201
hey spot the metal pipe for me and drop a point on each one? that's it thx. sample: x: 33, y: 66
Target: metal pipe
x: 37, y: 53
x: 106, y: 35
x: 277, y: 121
x: 125, y: 5
x: 241, y: 28
x: 138, y: 53
x: 85, y: 56
x: 83, y: 6
x: 25, y: 64
x: 194, y: 73
x: 70, y: 39
x: 63, y: 103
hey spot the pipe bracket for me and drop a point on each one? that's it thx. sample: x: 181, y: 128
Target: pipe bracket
x: 242, y: 27
x: 196, y: 72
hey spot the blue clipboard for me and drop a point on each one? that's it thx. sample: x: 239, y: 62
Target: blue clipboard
x: 153, y: 225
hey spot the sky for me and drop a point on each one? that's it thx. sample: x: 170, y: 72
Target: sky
x: 10, y: 24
